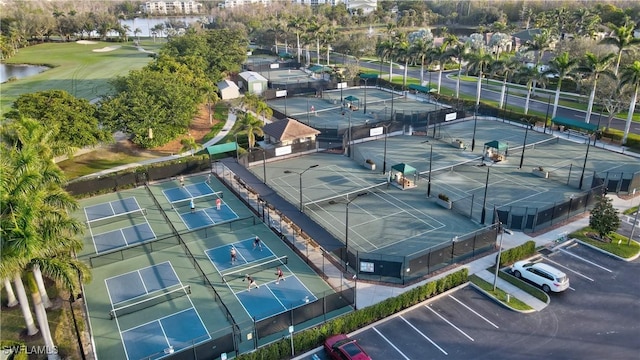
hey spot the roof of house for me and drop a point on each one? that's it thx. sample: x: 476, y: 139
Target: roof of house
x: 288, y: 129
x: 224, y: 84
x: 252, y: 76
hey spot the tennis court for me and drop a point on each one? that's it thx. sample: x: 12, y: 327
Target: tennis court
x: 120, y: 218
x: 185, y: 198
x: 336, y: 109
x: 166, y: 295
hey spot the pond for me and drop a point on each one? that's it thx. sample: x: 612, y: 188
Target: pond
x: 19, y: 71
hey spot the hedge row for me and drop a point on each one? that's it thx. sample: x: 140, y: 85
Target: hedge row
x: 314, y: 337
x: 10, y: 344
x: 517, y: 253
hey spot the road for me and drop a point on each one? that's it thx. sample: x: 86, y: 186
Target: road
x: 469, y: 88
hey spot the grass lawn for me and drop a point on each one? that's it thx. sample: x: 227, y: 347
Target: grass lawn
x: 618, y: 245
x: 499, y: 294
x: 95, y: 161
x: 75, y: 68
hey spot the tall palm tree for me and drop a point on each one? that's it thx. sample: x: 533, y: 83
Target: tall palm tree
x: 479, y: 62
x: 593, y: 66
x: 630, y: 77
x: 539, y: 45
x: 419, y: 49
x: 459, y: 51
x: 403, y: 54
x: 328, y: 37
x: 505, y: 68
x: 623, y: 39
x: 251, y: 126
x: 298, y: 25
x: 562, y: 66
x: 263, y: 110
x: 529, y: 74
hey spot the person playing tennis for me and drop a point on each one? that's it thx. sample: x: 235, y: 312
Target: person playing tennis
x: 279, y: 275
x: 257, y: 243
x: 251, y: 282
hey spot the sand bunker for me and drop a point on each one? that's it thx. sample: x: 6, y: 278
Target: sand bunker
x: 108, y: 48
x: 86, y: 42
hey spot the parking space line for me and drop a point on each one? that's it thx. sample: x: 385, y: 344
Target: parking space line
x: 473, y: 311
x: 585, y: 260
x: 423, y: 335
x: 573, y: 271
x: 448, y: 322
x: 390, y: 343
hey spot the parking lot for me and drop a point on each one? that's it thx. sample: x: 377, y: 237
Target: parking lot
x: 597, y: 318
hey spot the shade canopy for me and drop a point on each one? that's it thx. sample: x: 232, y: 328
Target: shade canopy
x: 495, y: 144
x: 351, y: 98
x: 320, y: 68
x: 404, y: 168
x: 575, y: 124
x: 416, y: 87
x: 222, y: 148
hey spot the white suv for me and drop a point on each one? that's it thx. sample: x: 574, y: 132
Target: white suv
x: 546, y: 276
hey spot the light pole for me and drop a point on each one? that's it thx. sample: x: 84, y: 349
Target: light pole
x: 524, y: 144
x: 495, y: 279
x: 346, y: 231
x: 392, y: 96
x: 546, y: 117
x: 475, y: 123
x: 300, y: 174
x: 384, y: 157
x: 348, y: 148
x: 483, y: 214
x: 364, y: 111
x: 584, y: 165
x: 635, y: 221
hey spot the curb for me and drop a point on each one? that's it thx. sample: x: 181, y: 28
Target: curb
x: 500, y: 302
x: 636, y: 256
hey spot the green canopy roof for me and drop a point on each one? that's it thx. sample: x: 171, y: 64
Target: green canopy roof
x: 320, y: 68
x: 497, y: 145
x: 404, y: 168
x: 368, y: 76
x: 222, y: 148
x: 416, y: 87
x: 283, y: 54
x: 351, y: 98
x: 576, y: 124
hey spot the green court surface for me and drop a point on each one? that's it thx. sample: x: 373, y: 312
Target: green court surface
x: 332, y: 109
x: 138, y: 318
x: 393, y: 221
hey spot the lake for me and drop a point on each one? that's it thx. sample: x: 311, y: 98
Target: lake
x: 8, y: 71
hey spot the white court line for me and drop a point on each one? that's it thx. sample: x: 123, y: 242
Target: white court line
x: 390, y: 343
x: 164, y: 333
x: 573, y: 271
x: 448, y: 322
x: 585, y: 260
x: 423, y: 335
x: 142, y: 281
x: 113, y: 211
x: 473, y: 311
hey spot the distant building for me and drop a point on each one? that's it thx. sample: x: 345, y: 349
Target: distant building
x: 228, y: 90
x: 288, y: 132
x: 171, y: 7
x: 367, y: 6
x: 252, y: 82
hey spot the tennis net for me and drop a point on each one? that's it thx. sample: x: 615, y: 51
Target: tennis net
x: 117, y: 217
x: 343, y: 198
x: 149, y: 302
x: 185, y: 203
x: 254, y: 268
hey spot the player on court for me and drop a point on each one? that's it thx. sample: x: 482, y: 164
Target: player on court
x: 234, y: 257
x: 251, y: 282
x: 257, y: 243
x: 192, y: 204
x: 279, y: 275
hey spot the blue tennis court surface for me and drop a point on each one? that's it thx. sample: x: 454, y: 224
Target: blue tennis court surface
x: 271, y: 298
x: 221, y: 256
x: 153, y: 339
x: 141, y: 282
x: 187, y: 192
x: 208, y: 216
x: 111, y: 208
x: 123, y: 237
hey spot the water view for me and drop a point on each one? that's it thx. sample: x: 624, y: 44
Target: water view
x: 19, y: 71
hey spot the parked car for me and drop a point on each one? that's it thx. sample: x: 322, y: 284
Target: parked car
x: 546, y: 276
x: 341, y: 347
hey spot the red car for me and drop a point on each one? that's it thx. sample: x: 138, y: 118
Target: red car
x: 341, y: 347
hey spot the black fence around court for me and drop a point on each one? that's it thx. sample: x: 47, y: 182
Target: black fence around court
x: 407, y: 269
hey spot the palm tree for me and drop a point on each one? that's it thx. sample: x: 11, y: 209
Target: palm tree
x: 562, y: 66
x: 623, y: 40
x: 505, y: 68
x: 264, y: 111
x: 459, y: 51
x: 630, y: 77
x: 328, y: 37
x: 419, y: 49
x: 298, y: 24
x: 479, y: 62
x: 531, y: 75
x: 251, y: 126
x: 593, y: 66
x: 137, y: 32
x: 403, y: 54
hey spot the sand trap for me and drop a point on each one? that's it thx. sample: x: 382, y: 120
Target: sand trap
x: 86, y: 42
x: 108, y: 48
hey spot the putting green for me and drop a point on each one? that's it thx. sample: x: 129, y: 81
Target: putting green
x: 75, y: 67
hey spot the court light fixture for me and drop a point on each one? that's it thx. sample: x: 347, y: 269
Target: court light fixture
x: 300, y: 175
x: 346, y: 231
